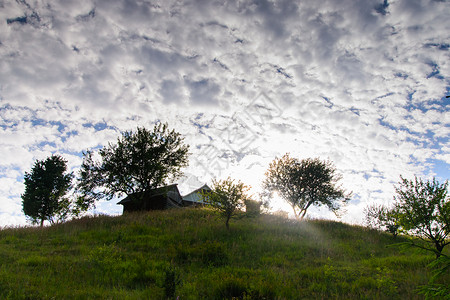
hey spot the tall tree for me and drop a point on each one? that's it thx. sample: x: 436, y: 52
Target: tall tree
x: 227, y: 196
x: 45, y: 189
x: 423, y: 210
x: 303, y: 183
x: 139, y: 161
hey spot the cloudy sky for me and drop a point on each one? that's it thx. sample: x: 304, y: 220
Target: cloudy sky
x: 361, y: 83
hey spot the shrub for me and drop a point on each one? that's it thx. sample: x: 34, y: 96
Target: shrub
x: 252, y: 207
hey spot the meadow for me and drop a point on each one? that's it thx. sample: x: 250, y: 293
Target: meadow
x: 189, y: 254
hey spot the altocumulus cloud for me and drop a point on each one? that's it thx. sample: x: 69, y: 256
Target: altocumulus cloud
x: 361, y: 83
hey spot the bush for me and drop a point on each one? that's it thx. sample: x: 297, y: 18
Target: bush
x: 253, y: 207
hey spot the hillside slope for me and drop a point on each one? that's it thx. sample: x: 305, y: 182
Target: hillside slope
x: 190, y: 254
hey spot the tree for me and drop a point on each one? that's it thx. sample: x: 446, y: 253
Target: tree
x: 380, y: 216
x: 253, y: 207
x: 227, y: 196
x: 45, y: 189
x: 140, y: 161
x: 305, y: 182
x: 423, y: 210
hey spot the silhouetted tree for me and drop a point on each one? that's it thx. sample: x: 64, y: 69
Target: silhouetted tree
x: 422, y: 209
x: 303, y: 183
x: 380, y: 216
x: 45, y: 189
x: 227, y: 196
x: 139, y: 161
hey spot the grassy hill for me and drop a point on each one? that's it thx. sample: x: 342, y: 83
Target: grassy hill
x: 190, y: 254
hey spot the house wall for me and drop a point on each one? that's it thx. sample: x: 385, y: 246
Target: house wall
x: 152, y: 203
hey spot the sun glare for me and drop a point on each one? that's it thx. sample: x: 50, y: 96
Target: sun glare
x: 277, y: 204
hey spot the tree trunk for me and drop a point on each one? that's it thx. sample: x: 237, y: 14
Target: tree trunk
x: 227, y: 222
x: 303, y: 214
x: 297, y: 215
x: 439, y: 249
x: 42, y: 222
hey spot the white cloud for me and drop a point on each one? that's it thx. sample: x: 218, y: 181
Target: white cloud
x: 359, y: 83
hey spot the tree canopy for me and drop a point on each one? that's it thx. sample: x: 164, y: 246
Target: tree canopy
x: 139, y: 161
x: 45, y: 189
x: 227, y: 196
x: 423, y: 210
x: 303, y: 183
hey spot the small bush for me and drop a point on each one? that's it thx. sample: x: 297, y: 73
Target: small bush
x: 384, y: 281
x: 252, y: 208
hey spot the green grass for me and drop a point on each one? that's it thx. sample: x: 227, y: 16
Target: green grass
x: 189, y: 253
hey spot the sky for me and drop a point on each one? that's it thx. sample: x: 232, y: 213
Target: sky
x: 359, y: 83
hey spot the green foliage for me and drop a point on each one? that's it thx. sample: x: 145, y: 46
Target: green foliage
x: 188, y: 253
x: 379, y: 216
x: 227, y: 196
x: 436, y: 289
x: 422, y: 209
x: 385, y: 280
x: 139, y: 161
x: 305, y: 182
x: 252, y: 207
x: 46, y: 187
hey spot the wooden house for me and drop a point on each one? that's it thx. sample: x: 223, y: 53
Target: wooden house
x: 156, y: 199
x: 195, y: 198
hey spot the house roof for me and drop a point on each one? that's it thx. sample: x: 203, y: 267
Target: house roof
x: 164, y: 190
x: 195, y: 196
x: 203, y: 187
